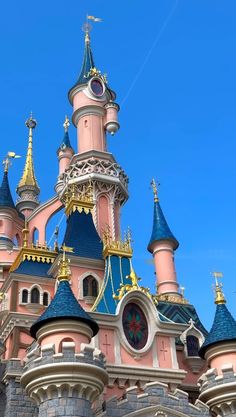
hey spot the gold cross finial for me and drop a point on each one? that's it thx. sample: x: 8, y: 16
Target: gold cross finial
x: 64, y: 269
x: 219, y: 295
x: 154, y: 188
x: 66, y: 124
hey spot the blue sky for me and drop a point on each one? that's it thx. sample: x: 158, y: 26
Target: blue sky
x: 172, y: 64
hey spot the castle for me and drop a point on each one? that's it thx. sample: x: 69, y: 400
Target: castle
x: 80, y: 335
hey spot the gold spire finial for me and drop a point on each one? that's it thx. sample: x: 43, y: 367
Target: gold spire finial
x: 64, y: 271
x: 28, y: 177
x: 155, y: 187
x: 7, y: 161
x: 219, y: 295
x: 66, y: 124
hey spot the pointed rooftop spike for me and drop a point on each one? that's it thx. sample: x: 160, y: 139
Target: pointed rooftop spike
x: 28, y: 178
x: 160, y: 229
x: 6, y: 199
x: 87, y: 64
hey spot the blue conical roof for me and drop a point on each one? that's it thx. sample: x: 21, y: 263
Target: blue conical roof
x: 223, y: 329
x: 6, y: 199
x: 64, y: 306
x: 87, y: 65
x: 65, y: 142
x: 160, y: 229
x: 82, y: 236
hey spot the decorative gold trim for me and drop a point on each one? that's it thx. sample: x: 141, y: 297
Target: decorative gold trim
x: 35, y: 253
x: 79, y: 200
x: 134, y: 286
x: 117, y: 247
x: 170, y: 298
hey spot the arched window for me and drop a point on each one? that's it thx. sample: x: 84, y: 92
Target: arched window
x: 192, y: 345
x: 35, y: 296
x: 94, y: 288
x: 24, y: 296
x: 66, y: 339
x: 45, y: 299
x: 35, y: 237
x: 90, y: 287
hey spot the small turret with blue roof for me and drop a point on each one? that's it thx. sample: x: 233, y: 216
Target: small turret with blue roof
x: 65, y: 144
x: 160, y: 229
x: 7, y: 206
x: 224, y: 326
x: 64, y: 305
x: 6, y: 199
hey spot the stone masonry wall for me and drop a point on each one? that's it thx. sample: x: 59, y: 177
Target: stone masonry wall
x: 155, y: 401
x: 18, y: 404
x: 66, y: 407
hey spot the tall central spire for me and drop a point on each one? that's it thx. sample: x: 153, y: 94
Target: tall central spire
x: 28, y: 188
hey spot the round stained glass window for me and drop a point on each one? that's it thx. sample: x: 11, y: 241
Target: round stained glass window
x: 97, y: 87
x: 135, y: 326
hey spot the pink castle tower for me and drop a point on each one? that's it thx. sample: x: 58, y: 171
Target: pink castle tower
x: 95, y: 115
x: 162, y: 245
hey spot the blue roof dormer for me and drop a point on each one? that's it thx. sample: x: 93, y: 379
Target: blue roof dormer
x: 6, y: 199
x: 160, y: 229
x: 64, y: 306
x: 82, y: 236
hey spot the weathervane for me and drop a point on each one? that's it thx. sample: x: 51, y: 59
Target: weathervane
x: 7, y: 161
x: 87, y: 27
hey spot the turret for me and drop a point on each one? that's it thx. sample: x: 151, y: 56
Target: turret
x: 28, y: 189
x: 218, y: 384
x: 162, y: 246
x: 65, y: 375
x: 10, y: 221
x: 93, y: 101
x: 65, y: 150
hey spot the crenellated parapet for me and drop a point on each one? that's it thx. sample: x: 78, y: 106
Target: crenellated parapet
x: 65, y: 374
x: 218, y: 390
x: 155, y: 400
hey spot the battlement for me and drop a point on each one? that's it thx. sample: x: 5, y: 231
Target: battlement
x: 160, y: 401
x: 46, y: 355
x: 212, y: 378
